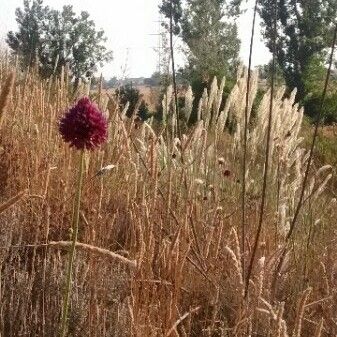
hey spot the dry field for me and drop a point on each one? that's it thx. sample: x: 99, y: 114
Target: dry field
x: 160, y: 248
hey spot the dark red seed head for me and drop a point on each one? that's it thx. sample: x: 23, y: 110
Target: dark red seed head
x: 227, y: 173
x: 84, y: 126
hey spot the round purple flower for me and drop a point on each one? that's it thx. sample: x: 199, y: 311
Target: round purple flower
x: 84, y: 126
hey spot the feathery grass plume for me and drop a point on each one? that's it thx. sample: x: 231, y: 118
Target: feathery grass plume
x: 166, y: 103
x: 95, y: 250
x: 125, y: 110
x: 321, y: 187
x: 237, y: 267
x: 188, y: 103
x: 300, y: 313
x: 218, y: 100
x: 5, y: 95
x: 209, y: 113
x: 261, y: 278
x: 235, y: 108
x: 279, y: 321
x: 314, y: 138
x: 319, y: 328
x: 180, y: 320
x: 325, y: 278
x: 202, y: 108
x: 303, y: 189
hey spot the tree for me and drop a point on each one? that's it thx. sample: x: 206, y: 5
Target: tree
x: 137, y: 106
x: 155, y: 80
x: 211, y: 37
x: 112, y: 82
x: 172, y: 8
x: 56, y: 48
x: 303, y: 32
x: 54, y: 38
x: 173, y: 11
x: 314, y: 80
x: 209, y: 32
x: 266, y: 72
x: 28, y: 40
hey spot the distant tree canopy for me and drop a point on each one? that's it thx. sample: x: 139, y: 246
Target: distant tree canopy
x: 172, y: 8
x: 209, y: 34
x: 154, y: 80
x: 51, y: 39
x: 112, y: 82
x: 209, y: 31
x: 211, y: 37
x: 304, y: 31
x: 266, y: 72
x: 304, y: 34
x: 211, y: 45
x: 314, y: 81
x: 128, y: 94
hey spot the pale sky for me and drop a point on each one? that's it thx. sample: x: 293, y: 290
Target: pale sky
x: 128, y: 25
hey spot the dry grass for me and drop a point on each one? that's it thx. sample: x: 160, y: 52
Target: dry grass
x: 171, y: 206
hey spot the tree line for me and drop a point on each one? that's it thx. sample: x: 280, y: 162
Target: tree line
x: 208, y: 30
x: 51, y: 39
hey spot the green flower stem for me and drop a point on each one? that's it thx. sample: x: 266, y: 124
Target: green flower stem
x: 75, y: 221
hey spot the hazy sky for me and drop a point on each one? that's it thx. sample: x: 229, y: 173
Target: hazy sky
x: 128, y: 25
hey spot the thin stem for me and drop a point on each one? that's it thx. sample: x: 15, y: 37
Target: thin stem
x: 244, y: 161
x: 75, y: 221
x: 266, y: 167
x: 174, y: 71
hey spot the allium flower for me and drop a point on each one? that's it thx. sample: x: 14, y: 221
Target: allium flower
x: 84, y: 126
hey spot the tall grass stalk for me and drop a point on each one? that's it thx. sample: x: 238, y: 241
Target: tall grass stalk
x: 74, y: 234
x: 266, y: 163
x: 245, y: 139
x: 175, y: 90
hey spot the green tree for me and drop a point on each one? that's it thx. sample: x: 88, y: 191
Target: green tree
x: 112, y: 82
x: 173, y: 12
x: 209, y: 31
x: 303, y: 32
x: 54, y: 38
x: 314, y: 78
x: 28, y: 40
x: 154, y: 80
x: 211, y: 37
x: 172, y: 8
x: 137, y: 106
x: 266, y: 71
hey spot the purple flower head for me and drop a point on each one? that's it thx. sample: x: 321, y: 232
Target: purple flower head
x: 84, y: 126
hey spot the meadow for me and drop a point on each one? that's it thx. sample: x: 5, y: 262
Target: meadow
x: 165, y: 239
